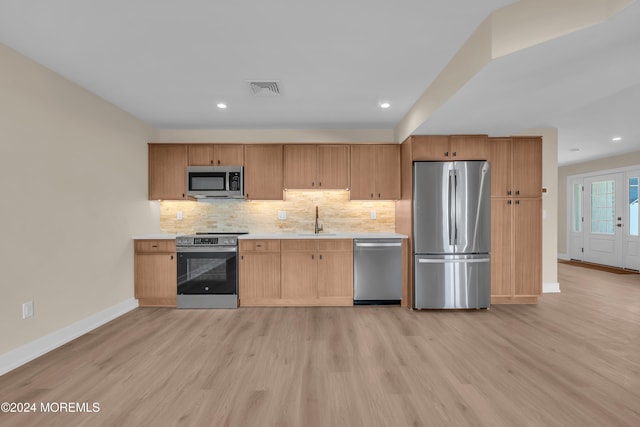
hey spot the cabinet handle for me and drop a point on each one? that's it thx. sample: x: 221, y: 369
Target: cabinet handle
x: 313, y: 184
x: 509, y: 193
x: 517, y: 202
x: 320, y: 184
x: 455, y: 153
x: 446, y: 154
x: 171, y: 256
x: 378, y: 195
x: 509, y: 202
x: 211, y: 161
x: 372, y: 195
x: 320, y: 256
x: 258, y: 246
x: 517, y: 192
x: 218, y: 161
x: 183, y: 195
x: 313, y: 257
x: 154, y: 246
x: 241, y: 257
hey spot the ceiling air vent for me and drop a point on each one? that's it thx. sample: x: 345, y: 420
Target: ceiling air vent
x: 264, y: 87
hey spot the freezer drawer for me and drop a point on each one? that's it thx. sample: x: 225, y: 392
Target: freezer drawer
x: 451, y: 281
x: 377, y: 272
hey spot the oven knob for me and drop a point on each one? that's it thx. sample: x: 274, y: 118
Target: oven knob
x: 206, y: 288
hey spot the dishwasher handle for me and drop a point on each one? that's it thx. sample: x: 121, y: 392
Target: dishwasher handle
x: 377, y: 245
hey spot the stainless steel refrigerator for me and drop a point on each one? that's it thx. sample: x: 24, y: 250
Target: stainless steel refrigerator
x: 451, y: 235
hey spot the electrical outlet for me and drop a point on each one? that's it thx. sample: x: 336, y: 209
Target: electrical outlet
x: 179, y: 216
x: 373, y: 215
x: 282, y: 215
x: 27, y: 309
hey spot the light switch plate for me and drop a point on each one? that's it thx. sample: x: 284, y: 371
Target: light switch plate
x: 374, y: 215
x: 179, y: 216
x: 282, y: 215
x: 27, y: 309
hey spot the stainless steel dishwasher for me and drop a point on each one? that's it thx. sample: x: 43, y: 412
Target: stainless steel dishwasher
x: 377, y: 271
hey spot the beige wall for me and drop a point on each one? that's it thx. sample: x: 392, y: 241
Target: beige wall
x: 73, y: 179
x: 336, y: 213
x: 629, y: 159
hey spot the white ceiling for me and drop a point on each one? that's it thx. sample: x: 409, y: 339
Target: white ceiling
x: 170, y: 62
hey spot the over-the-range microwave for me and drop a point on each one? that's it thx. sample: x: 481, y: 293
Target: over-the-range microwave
x: 215, y: 181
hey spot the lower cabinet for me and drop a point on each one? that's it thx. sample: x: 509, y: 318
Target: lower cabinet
x: 296, y: 272
x: 259, y: 283
x: 155, y: 279
x: 516, y: 250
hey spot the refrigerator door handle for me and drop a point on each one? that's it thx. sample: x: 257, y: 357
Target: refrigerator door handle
x: 452, y: 207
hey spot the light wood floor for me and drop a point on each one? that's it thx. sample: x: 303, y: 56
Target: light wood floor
x: 572, y: 360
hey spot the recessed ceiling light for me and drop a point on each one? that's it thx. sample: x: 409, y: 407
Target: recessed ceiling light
x: 221, y: 105
x: 616, y: 138
x: 385, y: 105
x: 574, y: 150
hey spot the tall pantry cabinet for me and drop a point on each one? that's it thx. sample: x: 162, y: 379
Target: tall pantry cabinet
x: 516, y: 219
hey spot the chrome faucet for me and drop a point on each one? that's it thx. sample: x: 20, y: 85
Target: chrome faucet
x: 318, y: 227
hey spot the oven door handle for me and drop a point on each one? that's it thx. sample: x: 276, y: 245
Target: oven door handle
x: 207, y: 249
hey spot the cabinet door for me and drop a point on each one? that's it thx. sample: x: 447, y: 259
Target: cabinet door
x: 299, y: 271
x: 387, y: 172
x: 333, y: 166
x: 430, y: 147
x: 228, y: 155
x: 501, y: 247
x: 259, y: 278
x: 263, y: 172
x: 527, y: 166
x: 468, y: 147
x: 361, y: 170
x: 300, y: 166
x: 155, y: 279
x: 167, y: 171
x: 500, y: 160
x: 200, y: 155
x: 335, y: 271
x: 527, y: 247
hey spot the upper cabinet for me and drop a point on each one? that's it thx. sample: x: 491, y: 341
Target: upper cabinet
x: 448, y: 148
x: 263, y: 172
x: 316, y: 166
x: 167, y: 171
x: 516, y: 166
x: 375, y: 172
x: 216, y: 155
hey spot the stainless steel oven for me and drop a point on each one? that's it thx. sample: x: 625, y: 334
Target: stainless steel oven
x: 207, y: 271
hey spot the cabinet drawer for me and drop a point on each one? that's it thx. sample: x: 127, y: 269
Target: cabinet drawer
x: 259, y: 245
x: 299, y: 245
x: 155, y: 246
x: 335, y: 245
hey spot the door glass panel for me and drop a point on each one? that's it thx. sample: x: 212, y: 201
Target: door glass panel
x: 577, y: 208
x: 603, y: 207
x: 633, y: 206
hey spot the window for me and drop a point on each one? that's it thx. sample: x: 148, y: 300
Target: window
x: 603, y: 206
x: 633, y: 206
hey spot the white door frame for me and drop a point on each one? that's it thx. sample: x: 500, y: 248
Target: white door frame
x: 631, y: 244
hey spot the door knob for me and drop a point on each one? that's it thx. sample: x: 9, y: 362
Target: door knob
x: 619, y: 225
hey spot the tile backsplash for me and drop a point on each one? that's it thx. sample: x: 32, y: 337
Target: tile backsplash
x: 336, y: 212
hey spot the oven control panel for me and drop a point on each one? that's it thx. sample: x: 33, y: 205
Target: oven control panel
x: 206, y: 240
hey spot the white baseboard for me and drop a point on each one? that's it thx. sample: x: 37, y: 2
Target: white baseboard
x: 26, y: 353
x: 551, y: 288
x: 564, y: 257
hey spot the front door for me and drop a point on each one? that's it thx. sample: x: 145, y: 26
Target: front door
x: 604, y: 219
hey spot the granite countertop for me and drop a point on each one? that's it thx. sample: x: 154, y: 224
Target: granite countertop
x: 155, y: 237
x: 322, y: 235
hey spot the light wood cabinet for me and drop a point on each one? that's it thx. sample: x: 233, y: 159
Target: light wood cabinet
x: 259, y: 281
x: 516, y: 219
x: 516, y: 167
x: 316, y: 166
x: 155, y: 281
x: 167, y: 171
x: 216, y: 155
x: 375, y: 172
x: 449, y: 147
x: 263, y: 172
x: 317, y: 272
